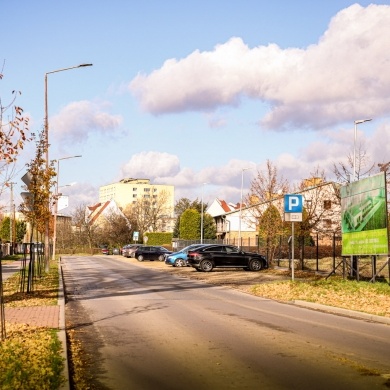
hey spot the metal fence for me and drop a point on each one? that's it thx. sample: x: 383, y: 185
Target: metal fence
x: 321, y: 254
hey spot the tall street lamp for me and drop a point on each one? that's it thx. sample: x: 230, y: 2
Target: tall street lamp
x: 354, y: 260
x: 57, y: 195
x: 354, y: 144
x: 201, y: 217
x: 240, y: 215
x: 46, y: 124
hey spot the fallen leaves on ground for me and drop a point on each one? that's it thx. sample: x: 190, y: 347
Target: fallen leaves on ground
x: 30, y: 358
x: 44, y: 290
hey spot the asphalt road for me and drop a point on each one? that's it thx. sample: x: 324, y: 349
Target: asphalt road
x: 145, y: 329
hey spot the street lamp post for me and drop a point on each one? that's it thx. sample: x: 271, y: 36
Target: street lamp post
x: 201, y: 217
x: 354, y: 144
x: 240, y: 215
x: 46, y: 127
x: 354, y: 259
x: 57, y: 195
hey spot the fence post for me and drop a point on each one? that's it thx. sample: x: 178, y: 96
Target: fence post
x: 334, y: 250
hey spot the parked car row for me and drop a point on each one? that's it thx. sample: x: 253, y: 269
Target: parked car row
x: 107, y: 251
x: 202, y: 257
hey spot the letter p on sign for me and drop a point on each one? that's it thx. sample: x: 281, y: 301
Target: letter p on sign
x: 293, y: 203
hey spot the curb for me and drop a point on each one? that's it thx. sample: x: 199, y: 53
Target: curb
x: 344, y: 312
x: 62, y: 329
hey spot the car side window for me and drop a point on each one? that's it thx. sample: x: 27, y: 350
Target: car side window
x: 214, y: 249
x: 231, y: 249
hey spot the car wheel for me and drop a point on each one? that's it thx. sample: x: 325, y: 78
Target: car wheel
x: 206, y: 265
x: 255, y: 265
x: 161, y: 258
x: 180, y: 263
x: 140, y: 258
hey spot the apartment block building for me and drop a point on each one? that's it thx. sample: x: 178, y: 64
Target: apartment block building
x: 129, y: 191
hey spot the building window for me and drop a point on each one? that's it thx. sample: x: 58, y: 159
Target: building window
x: 327, y: 223
x: 327, y: 204
x: 134, y: 188
x: 134, y: 195
x: 146, y: 189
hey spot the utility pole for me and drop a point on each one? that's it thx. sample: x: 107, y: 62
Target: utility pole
x: 12, y: 235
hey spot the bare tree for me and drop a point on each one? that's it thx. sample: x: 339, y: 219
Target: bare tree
x: 12, y: 139
x: 364, y: 167
x: 321, y: 204
x: 115, y: 230
x: 85, y: 233
x: 265, y: 188
x: 13, y: 136
x: 150, y: 214
x: 263, y: 206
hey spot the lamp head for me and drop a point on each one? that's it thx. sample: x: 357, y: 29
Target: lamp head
x: 362, y: 121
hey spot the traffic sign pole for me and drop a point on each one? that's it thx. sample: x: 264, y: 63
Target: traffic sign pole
x: 292, y: 252
x: 293, y: 208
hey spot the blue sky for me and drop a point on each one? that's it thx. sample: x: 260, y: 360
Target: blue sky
x: 192, y: 92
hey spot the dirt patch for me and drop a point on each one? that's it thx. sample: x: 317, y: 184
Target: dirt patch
x: 231, y: 277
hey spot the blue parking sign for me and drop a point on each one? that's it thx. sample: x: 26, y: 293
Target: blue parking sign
x: 293, y: 203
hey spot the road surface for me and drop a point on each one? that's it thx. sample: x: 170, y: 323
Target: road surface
x: 145, y: 329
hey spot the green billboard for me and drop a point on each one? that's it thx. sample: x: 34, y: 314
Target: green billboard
x: 364, y: 217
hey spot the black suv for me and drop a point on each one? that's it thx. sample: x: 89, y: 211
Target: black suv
x: 211, y: 256
x: 151, y: 253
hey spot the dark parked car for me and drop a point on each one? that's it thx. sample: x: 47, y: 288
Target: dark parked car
x: 151, y: 253
x: 179, y: 259
x: 208, y: 257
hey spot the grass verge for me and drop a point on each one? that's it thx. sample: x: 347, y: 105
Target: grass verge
x: 371, y: 298
x: 30, y: 357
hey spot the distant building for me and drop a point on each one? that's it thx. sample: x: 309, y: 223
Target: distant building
x: 128, y: 192
x: 320, y: 200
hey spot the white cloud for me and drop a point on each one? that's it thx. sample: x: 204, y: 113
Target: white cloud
x: 78, y: 120
x: 343, y: 76
x: 151, y: 165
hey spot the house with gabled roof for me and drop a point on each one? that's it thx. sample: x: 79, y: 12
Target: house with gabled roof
x: 226, y: 216
x: 320, y: 201
x: 100, y: 212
